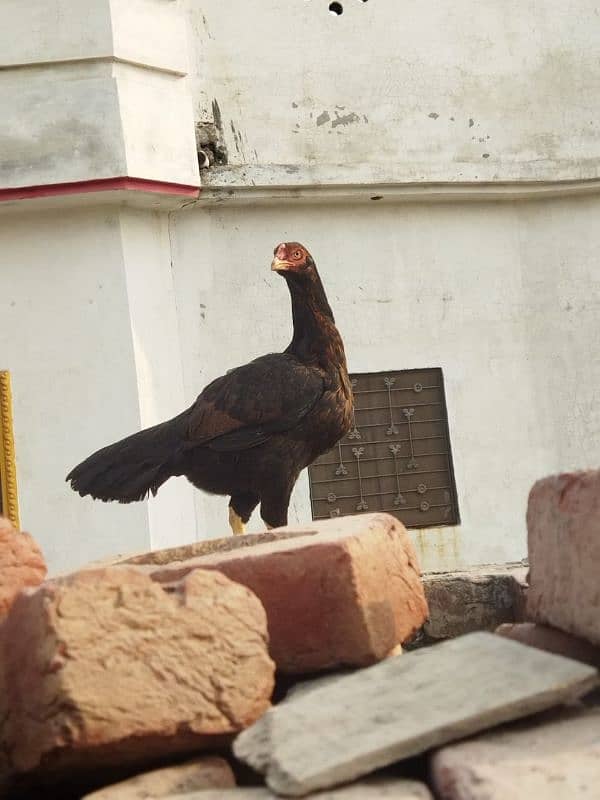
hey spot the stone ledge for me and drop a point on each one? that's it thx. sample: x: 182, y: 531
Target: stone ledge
x: 478, y: 599
x: 270, y: 184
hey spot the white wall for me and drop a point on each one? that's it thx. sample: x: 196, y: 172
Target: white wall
x: 94, y: 90
x: 90, y: 334
x: 388, y: 90
x: 504, y: 297
x: 155, y: 334
x: 103, y: 335
x: 65, y: 337
x: 112, y: 318
x: 387, y: 100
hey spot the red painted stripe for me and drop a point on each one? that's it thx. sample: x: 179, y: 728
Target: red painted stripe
x: 100, y: 185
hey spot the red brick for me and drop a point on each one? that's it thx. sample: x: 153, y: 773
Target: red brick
x: 106, y: 668
x: 201, y: 774
x: 563, y: 522
x: 548, y: 757
x: 345, y: 594
x: 22, y: 564
x: 552, y: 641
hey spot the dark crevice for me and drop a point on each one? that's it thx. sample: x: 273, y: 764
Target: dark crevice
x: 210, y: 140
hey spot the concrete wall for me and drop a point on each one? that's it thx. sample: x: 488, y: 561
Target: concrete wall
x: 449, y: 91
x: 97, y: 122
x: 103, y: 340
x: 322, y: 114
x: 155, y: 331
x: 65, y: 336
x: 94, y: 90
x: 91, y: 338
x: 346, y: 133
x: 504, y: 297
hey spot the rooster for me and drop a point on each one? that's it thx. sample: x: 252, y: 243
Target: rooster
x: 250, y: 432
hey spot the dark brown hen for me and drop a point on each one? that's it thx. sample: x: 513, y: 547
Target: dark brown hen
x: 250, y: 432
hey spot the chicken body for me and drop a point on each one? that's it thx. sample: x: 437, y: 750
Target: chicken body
x: 250, y: 432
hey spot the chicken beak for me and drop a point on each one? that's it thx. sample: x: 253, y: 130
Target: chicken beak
x: 279, y: 265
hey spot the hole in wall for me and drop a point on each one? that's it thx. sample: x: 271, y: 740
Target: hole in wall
x: 337, y: 9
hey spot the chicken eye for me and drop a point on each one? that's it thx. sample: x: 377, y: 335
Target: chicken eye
x: 297, y: 254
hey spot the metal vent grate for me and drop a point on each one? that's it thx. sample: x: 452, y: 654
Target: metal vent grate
x: 396, y: 457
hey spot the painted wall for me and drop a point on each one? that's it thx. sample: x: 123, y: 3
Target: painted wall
x: 382, y: 101
x: 65, y: 336
x: 114, y: 317
x: 505, y: 297
x: 89, y: 332
x: 455, y: 90
x: 94, y: 90
x: 102, y: 340
x: 155, y: 334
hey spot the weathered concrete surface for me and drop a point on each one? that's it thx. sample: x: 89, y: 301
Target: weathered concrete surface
x: 22, y: 564
x: 434, y: 133
x: 347, y: 596
x: 556, y: 759
x: 106, y: 669
x: 552, y: 641
x: 310, y: 684
x: 375, y: 789
x: 403, y: 707
x: 477, y: 599
x: 563, y: 524
x: 208, y: 772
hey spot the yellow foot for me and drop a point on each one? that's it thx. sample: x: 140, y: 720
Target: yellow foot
x: 237, y: 525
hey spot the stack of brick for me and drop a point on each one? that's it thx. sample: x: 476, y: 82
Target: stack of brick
x: 163, y: 666
x: 345, y: 597
x: 117, y: 668
x: 558, y: 757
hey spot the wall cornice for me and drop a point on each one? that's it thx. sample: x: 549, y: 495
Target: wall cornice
x: 95, y: 93
x: 238, y: 186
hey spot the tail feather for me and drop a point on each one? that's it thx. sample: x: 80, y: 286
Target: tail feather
x: 130, y: 469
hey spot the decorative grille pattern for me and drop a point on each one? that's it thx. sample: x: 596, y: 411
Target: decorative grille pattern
x: 396, y: 457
